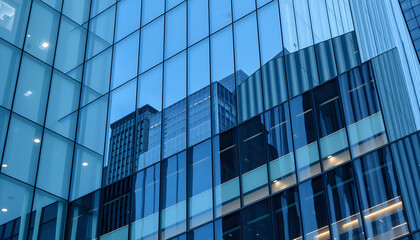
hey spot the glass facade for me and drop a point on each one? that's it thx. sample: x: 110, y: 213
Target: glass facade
x: 209, y: 119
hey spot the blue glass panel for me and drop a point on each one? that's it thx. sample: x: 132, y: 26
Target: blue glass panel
x: 228, y: 227
x: 242, y: 7
x: 151, y: 45
x: 198, y: 20
x: 125, y: 60
x: 257, y: 221
x: 14, y: 20
x: 202, y: 233
x: 319, y: 20
x: 4, y: 121
x: 128, y: 18
x: 175, y: 30
x: 151, y: 10
x: 9, y: 65
x: 172, y: 3
x: 77, y: 10
x: 56, y: 4
x: 98, y: 6
x: 288, y: 25
x: 220, y: 14
x: 101, y: 32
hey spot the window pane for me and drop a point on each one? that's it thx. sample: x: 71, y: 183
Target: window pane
x: 22, y: 149
x: 333, y: 143
x: 70, y: 45
x: 257, y: 221
x: 242, y: 7
x: 253, y: 162
x: 202, y: 233
x: 149, y: 96
x: 304, y: 136
x: 381, y: 203
x: 91, y: 125
x: 128, y: 18
x: 55, y: 165
x: 83, y: 217
x: 122, y: 125
x: 151, y: 10
x: 319, y: 20
x: 200, y: 203
x: 173, y: 196
x: 226, y: 173
x: 175, y: 30
x: 99, y: 6
x: 47, y: 217
x: 220, y: 14
x: 288, y: 25
x: 199, y: 119
x: 270, y: 32
x: 32, y: 89
x: 42, y: 32
x: 346, y: 52
x: 314, y: 210
x: 172, y: 3
x: 229, y: 227
x: 174, y: 103
x: 146, y: 204
x: 362, y: 111
x: 4, y: 121
x: 343, y: 204
x: 62, y: 105
x: 198, y: 20
x: 303, y: 23
x: 13, y: 24
x: 16, y: 198
x: 151, y: 45
x: 77, y: 10
x: 326, y: 61
x: 287, y: 215
x: 101, y: 32
x: 223, y: 80
x: 87, y: 172
x: 125, y: 60
x: 96, y: 77
x: 9, y: 65
x: 280, y: 148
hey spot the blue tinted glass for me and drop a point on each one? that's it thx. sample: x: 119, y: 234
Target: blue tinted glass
x: 22, y: 149
x: 14, y: 22
x: 151, y: 10
x: 101, y: 34
x: 288, y: 25
x: 228, y: 227
x: 32, y: 89
x: 125, y: 60
x: 319, y: 20
x: 303, y: 23
x: 198, y: 20
x: 77, y: 10
x: 257, y: 221
x: 242, y: 7
x: 261, y: 3
x: 172, y: 3
x: 42, y: 32
x: 175, y: 30
x: 202, y: 233
x: 220, y: 14
x: 151, y: 44
x: 270, y: 32
x: 99, y: 6
x: 9, y: 65
x: 56, y: 4
x: 4, y: 120
x: 128, y: 18
x: 198, y: 67
x: 175, y: 82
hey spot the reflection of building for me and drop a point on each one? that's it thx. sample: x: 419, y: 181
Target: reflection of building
x: 120, y: 155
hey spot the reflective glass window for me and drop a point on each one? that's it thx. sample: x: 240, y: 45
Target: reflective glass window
x: 226, y: 173
x: 42, y: 31
x: 9, y: 65
x: 261, y: 3
x: 172, y: 3
x: 202, y: 233
x: 151, y: 44
x: 174, y: 103
x: 199, y: 119
x: 32, y: 89
x: 123, y: 125
x: 305, y: 136
x: 257, y: 221
x: 175, y: 30
x: 319, y: 20
x: 128, y: 18
x: 198, y: 20
x: 146, y: 204
x: 228, y: 227
x: 151, y: 10
x: 287, y: 215
x: 149, y: 98
x: 200, y: 192
x: 4, y: 121
x: 220, y: 14
x: 13, y: 24
x: 48, y: 217
x: 173, y: 196
x: 70, y: 45
x: 55, y: 165
x: 280, y: 148
x: 98, y: 6
x: 314, y: 210
x: 303, y: 23
x: 325, y: 60
x: 346, y: 52
x: 87, y: 172
x: 125, y: 60
x: 77, y: 10
x: 223, y: 80
x: 21, y: 151
x: 82, y: 217
x: 242, y: 7
x: 252, y: 160
x: 15, y: 202
x: 331, y: 129
x: 101, y: 32
x: 382, y: 207
x: 97, y: 74
x: 288, y: 25
x: 343, y: 204
x: 362, y: 111
x: 62, y: 105
x: 92, y: 124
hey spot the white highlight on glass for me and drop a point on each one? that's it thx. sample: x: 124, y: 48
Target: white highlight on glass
x: 37, y: 140
x: 45, y: 45
x: 4, y: 165
x: 4, y: 209
x: 28, y: 93
x: 85, y: 164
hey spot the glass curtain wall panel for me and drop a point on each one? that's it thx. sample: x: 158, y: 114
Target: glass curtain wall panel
x: 202, y: 233
x: 228, y: 227
x: 226, y: 173
x: 151, y: 45
x: 13, y: 25
x: 198, y: 20
x: 4, y: 122
x: 101, y: 32
x: 175, y: 30
x: 9, y: 66
x: 257, y: 221
x: 152, y: 9
x: 220, y: 14
x: 127, y: 19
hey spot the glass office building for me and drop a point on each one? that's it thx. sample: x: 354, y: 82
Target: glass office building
x: 411, y: 9
x: 209, y: 119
